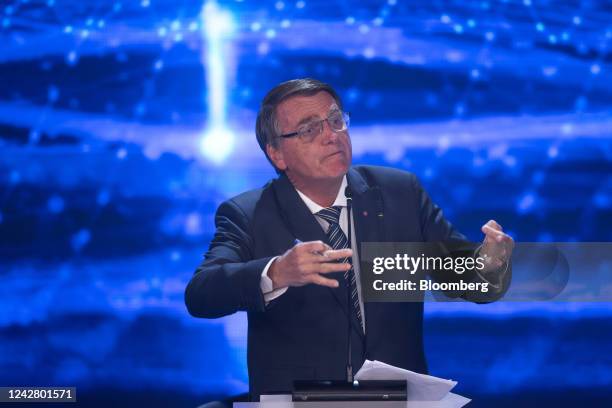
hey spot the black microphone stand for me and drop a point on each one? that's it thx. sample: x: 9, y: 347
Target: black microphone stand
x: 349, y: 365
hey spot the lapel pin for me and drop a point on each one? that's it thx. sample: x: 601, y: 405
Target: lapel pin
x: 365, y: 213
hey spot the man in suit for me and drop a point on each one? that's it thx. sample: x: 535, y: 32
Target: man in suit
x: 277, y: 252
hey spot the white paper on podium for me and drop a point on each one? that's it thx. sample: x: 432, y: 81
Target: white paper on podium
x: 421, y: 387
x: 452, y: 400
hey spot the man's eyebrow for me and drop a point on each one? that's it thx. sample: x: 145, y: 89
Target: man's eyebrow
x: 311, y: 118
x: 307, y: 119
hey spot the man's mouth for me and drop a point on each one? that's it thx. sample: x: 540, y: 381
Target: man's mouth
x: 333, y: 154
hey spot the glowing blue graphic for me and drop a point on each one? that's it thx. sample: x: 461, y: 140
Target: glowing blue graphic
x: 116, y: 149
x: 218, y: 26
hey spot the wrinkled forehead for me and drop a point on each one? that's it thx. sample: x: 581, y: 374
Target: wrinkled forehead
x: 300, y: 109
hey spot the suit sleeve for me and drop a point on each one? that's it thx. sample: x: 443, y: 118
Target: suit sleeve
x: 436, y: 228
x: 228, y: 279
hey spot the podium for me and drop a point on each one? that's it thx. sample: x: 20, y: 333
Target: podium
x: 421, y: 391
x: 284, y: 401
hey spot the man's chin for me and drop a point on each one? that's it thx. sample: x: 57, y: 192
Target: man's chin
x: 337, y: 171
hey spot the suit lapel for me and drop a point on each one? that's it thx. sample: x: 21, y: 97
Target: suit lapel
x: 296, y: 215
x: 304, y: 226
x: 367, y: 210
x: 368, y: 216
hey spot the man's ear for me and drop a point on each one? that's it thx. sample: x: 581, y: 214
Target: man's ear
x: 276, y: 155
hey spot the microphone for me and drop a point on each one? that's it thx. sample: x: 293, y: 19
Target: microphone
x: 349, y: 366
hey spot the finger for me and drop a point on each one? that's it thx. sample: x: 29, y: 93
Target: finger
x: 337, y: 254
x: 327, y: 256
x: 490, y: 224
x: 327, y: 267
x: 313, y: 247
x: 499, y: 252
x: 505, y: 239
x: 332, y: 267
x: 496, y: 224
x: 490, y: 233
x: 497, y: 263
x: 307, y: 258
x: 494, y: 234
x: 320, y: 280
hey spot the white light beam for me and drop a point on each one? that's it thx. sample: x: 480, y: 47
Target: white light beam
x: 218, y: 25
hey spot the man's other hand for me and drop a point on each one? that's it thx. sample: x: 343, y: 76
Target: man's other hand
x: 496, y: 247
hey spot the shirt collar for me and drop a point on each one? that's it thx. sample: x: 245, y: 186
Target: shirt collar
x: 340, y: 200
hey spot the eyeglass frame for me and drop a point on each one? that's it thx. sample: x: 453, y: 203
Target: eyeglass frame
x: 346, y: 117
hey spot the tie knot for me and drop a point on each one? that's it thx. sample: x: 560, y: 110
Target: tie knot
x: 330, y: 214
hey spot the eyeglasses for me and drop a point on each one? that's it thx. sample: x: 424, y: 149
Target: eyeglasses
x: 337, y: 121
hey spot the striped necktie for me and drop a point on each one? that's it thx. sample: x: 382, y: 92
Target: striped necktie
x: 337, y: 240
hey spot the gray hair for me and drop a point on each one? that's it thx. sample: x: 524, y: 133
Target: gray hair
x: 266, y: 127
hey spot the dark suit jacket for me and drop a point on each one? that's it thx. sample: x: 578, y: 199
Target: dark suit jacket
x: 302, y: 334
